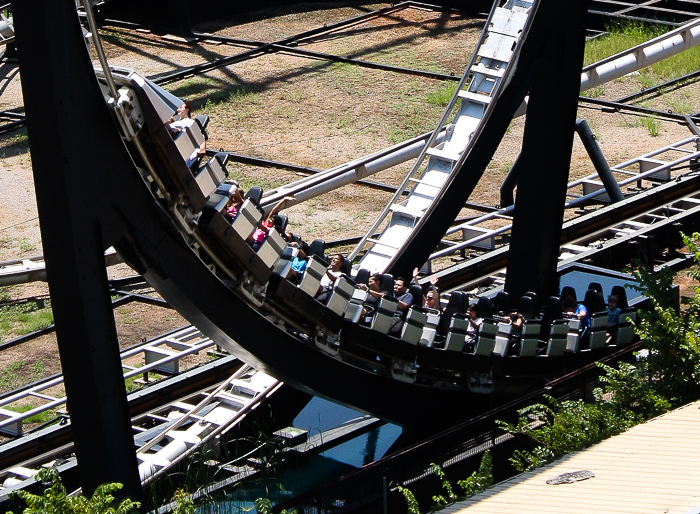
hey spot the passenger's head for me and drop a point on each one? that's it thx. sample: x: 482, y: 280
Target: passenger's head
x: 400, y: 285
x: 374, y: 282
x: 337, y: 262
x: 612, y: 302
x: 568, y: 304
x: 431, y: 300
x: 236, y: 195
x: 472, y: 311
x: 185, y: 110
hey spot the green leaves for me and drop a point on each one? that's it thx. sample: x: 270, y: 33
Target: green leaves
x: 55, y: 500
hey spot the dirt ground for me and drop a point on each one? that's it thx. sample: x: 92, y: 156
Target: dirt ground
x: 306, y: 112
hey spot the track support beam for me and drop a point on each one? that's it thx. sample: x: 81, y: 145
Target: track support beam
x: 542, y: 182
x: 70, y: 132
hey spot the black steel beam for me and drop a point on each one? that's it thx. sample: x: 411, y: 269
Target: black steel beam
x: 685, y: 80
x: 542, y: 181
x: 329, y: 57
x: 620, y: 107
x: 61, y: 93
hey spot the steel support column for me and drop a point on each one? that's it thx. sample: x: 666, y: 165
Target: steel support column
x: 546, y: 156
x: 70, y: 133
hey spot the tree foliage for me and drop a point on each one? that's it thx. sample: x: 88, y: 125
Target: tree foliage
x: 478, y: 481
x: 55, y: 500
x: 670, y: 334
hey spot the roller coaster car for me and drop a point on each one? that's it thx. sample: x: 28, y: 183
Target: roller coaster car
x: 331, y: 326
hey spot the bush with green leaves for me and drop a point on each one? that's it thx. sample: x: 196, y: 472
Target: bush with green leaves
x: 671, y: 334
x: 557, y: 428
x: 55, y: 500
x: 481, y: 479
x: 478, y: 481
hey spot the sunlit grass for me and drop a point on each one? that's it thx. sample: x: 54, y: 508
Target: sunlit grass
x: 624, y: 37
x: 618, y: 39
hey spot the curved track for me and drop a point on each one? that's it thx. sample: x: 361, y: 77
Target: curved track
x: 142, y: 201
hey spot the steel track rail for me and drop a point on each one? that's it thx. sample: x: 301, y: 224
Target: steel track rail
x: 487, y: 264
x: 33, y: 449
x: 269, y: 47
x: 329, y: 57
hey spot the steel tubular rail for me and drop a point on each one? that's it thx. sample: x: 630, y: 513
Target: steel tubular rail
x: 343, y: 174
x: 642, y: 55
x: 573, y: 203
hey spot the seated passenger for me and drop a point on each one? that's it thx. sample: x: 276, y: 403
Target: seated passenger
x: 431, y: 299
x: 473, y: 323
x: 613, y: 317
x: 405, y: 300
x: 516, y: 330
x: 374, y: 293
x: 332, y: 273
x: 180, y: 125
x: 572, y: 310
x: 257, y: 238
x: 234, y: 204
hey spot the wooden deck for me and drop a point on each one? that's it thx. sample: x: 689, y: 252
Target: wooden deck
x: 653, y: 468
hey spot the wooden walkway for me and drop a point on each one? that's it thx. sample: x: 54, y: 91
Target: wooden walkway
x: 653, y: 468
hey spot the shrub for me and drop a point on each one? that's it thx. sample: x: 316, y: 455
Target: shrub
x: 55, y: 500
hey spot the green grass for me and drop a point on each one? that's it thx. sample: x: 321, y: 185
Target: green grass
x: 35, y: 321
x: 651, y: 124
x: 442, y: 95
x: 10, y: 377
x: 628, y: 35
x: 594, y: 92
x: 248, y: 182
x: 26, y: 246
x: 678, y: 104
x: 41, y: 417
x: 24, y: 318
x: 618, y: 39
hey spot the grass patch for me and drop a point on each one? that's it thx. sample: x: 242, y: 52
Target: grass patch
x: 24, y: 318
x: 20, y: 140
x: 246, y: 182
x: 594, y: 92
x: 442, y: 95
x: 619, y: 39
x: 679, y: 104
x: 35, y: 321
x: 10, y: 377
x: 41, y: 417
x: 651, y: 124
x: 26, y: 246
